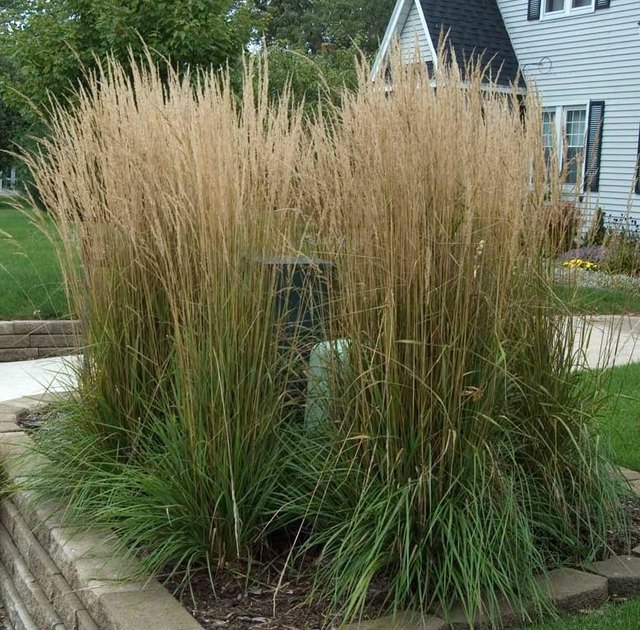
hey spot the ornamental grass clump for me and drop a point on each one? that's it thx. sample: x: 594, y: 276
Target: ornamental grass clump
x: 169, y: 194
x: 456, y: 459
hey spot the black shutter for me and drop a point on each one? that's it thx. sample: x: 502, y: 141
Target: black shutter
x: 534, y: 10
x: 638, y: 169
x: 602, y: 4
x: 594, y: 147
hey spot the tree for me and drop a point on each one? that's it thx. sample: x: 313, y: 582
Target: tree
x: 308, y: 24
x: 53, y: 42
x: 11, y: 129
x: 313, y: 44
x: 12, y: 123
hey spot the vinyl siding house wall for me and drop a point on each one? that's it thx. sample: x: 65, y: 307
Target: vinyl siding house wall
x: 578, y: 57
x: 413, y: 37
x: 583, y: 58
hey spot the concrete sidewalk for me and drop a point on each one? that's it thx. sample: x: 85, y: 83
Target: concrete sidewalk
x: 27, y: 378
x: 608, y: 341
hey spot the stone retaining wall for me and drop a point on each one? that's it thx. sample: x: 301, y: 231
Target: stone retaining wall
x: 23, y: 340
x: 54, y: 577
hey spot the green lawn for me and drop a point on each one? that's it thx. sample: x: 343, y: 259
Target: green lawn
x: 30, y: 278
x: 621, y: 418
x: 610, y: 617
x: 601, y: 301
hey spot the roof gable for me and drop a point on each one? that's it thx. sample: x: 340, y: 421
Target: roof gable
x: 475, y: 29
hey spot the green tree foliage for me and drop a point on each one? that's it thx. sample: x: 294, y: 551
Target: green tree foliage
x: 52, y: 42
x: 12, y: 123
x: 46, y: 46
x: 308, y: 24
x: 312, y: 78
x: 314, y: 44
x: 11, y: 128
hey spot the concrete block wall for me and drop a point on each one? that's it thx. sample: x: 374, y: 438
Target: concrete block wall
x: 23, y: 340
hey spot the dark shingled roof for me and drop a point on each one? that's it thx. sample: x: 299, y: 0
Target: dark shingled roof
x: 476, y: 30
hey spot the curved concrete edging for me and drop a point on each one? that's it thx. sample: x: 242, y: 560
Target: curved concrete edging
x: 54, y: 577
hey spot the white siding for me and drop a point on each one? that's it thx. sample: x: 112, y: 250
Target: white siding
x: 413, y: 38
x: 593, y: 56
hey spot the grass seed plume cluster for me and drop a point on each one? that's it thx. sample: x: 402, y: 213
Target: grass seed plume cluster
x: 458, y: 458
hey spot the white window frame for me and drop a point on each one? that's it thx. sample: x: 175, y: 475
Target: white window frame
x: 560, y: 112
x: 567, y: 11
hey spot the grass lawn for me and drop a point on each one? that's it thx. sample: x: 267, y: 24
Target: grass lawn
x: 621, y: 417
x: 600, y: 301
x: 30, y: 278
x: 610, y: 617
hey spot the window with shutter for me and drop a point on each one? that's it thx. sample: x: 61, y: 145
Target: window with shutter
x: 594, y: 146
x: 574, y: 127
x: 543, y: 9
x: 534, y: 9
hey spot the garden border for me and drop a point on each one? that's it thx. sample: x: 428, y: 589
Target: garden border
x: 22, y: 340
x: 54, y: 577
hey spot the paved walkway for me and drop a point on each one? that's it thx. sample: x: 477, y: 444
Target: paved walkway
x: 27, y: 378
x: 609, y: 340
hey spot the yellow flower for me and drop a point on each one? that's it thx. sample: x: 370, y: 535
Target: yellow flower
x: 579, y: 263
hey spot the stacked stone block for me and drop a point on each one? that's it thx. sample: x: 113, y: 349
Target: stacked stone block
x: 23, y: 340
x: 54, y: 577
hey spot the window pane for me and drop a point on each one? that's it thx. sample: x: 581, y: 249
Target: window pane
x: 575, y: 128
x: 554, y: 5
x: 549, y: 135
x: 581, y: 3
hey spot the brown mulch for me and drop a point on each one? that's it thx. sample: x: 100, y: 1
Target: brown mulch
x: 266, y: 602
x: 33, y: 420
x: 618, y: 543
x: 5, y: 624
x: 232, y: 603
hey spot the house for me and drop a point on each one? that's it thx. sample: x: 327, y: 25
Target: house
x: 583, y: 57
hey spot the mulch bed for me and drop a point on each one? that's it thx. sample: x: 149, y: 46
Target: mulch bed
x: 262, y: 603
x: 616, y: 542
x: 33, y: 420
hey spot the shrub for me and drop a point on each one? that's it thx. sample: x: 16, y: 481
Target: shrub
x: 458, y: 459
x: 623, y: 244
x: 597, y: 230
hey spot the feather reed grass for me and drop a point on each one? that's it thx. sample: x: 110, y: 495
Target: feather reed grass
x: 458, y: 459
x: 169, y: 195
